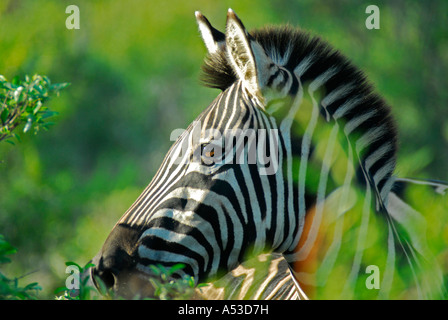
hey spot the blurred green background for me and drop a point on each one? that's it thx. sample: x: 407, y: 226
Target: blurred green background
x: 134, y: 68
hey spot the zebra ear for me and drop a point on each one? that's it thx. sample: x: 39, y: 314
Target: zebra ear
x: 214, y: 40
x: 248, y: 58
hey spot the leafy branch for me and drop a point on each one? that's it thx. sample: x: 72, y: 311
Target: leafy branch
x: 85, y: 291
x: 167, y: 288
x: 24, y: 102
x: 9, y: 288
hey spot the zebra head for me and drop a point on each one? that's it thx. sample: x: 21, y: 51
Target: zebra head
x: 244, y: 176
x: 204, y: 208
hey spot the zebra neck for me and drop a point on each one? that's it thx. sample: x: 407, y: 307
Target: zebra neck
x: 325, y: 126
x: 352, y: 111
x: 330, y: 85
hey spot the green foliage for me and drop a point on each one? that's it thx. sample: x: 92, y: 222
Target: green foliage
x: 24, y: 102
x: 167, y: 288
x: 134, y: 76
x: 85, y: 291
x: 9, y: 287
x: 5, y: 249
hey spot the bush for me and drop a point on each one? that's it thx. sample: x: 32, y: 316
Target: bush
x: 23, y: 102
x: 9, y: 287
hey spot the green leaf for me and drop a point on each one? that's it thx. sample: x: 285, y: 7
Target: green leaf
x: 33, y: 286
x: 201, y: 285
x: 59, y: 86
x: 48, y: 113
x: 16, y: 81
x: 29, y: 123
x: 89, y: 265
x: 26, y: 99
x: 5, y: 247
x: 4, y: 115
x: 71, y: 263
x: 155, y: 269
x: 18, y: 94
x: 15, y: 135
x: 37, y: 108
x: 59, y: 290
x: 176, y: 267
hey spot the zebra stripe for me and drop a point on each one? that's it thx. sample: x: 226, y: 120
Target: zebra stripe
x: 211, y: 215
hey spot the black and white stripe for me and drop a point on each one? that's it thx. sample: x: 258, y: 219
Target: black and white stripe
x: 210, y: 217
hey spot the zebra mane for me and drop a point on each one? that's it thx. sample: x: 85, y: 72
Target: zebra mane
x: 285, y: 45
x: 288, y: 46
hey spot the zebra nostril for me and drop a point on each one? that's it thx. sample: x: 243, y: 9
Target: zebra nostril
x: 116, y: 262
x: 107, y: 278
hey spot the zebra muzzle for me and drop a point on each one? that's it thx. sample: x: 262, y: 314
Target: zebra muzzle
x: 115, y: 273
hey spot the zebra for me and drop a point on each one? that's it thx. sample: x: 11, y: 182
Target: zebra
x: 274, y: 281
x: 334, y: 144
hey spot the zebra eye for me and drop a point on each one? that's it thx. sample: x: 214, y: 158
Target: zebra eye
x: 207, y: 154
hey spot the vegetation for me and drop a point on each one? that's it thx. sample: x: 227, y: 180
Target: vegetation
x: 84, y: 291
x: 134, y: 78
x: 165, y: 287
x: 22, y: 102
x: 9, y: 287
